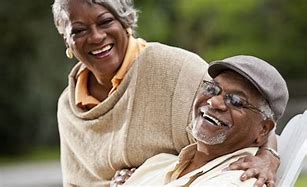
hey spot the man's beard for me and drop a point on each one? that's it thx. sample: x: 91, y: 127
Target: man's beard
x: 206, y: 139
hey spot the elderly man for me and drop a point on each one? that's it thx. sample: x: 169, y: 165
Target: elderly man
x: 232, y: 117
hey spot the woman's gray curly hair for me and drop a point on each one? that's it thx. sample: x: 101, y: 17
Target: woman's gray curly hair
x: 123, y: 10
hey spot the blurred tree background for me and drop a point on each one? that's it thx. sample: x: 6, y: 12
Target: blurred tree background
x: 34, y: 67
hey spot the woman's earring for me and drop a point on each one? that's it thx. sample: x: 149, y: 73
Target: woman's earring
x: 69, y: 53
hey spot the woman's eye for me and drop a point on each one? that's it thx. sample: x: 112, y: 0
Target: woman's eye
x: 106, y: 21
x: 77, y: 31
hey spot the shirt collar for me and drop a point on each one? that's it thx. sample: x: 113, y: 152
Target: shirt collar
x: 188, y: 153
x: 83, y: 99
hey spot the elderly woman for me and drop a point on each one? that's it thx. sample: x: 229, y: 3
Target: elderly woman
x: 126, y: 99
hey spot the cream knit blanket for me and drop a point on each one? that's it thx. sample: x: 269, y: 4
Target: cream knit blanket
x: 147, y: 115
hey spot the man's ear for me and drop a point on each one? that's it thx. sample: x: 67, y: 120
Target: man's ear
x: 266, y: 126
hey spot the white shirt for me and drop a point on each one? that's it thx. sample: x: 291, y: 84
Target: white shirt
x: 157, y: 170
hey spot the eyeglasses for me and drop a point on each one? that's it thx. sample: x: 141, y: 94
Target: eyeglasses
x: 232, y: 100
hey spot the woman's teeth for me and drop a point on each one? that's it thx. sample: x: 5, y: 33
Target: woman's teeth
x: 104, y: 49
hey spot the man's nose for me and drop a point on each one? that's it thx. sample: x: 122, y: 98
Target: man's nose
x: 218, y: 103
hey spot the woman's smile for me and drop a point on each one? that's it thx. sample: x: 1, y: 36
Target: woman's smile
x: 104, y: 49
x: 103, y: 52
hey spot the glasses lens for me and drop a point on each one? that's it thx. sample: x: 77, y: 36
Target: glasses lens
x: 234, y: 100
x: 211, y: 89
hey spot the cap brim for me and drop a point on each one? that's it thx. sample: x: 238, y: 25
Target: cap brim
x: 219, y: 66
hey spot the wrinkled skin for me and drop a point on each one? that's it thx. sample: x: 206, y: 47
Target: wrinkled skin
x: 263, y: 166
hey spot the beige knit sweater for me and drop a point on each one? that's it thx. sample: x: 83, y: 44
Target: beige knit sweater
x: 147, y: 115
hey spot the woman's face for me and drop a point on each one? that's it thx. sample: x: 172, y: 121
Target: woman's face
x: 96, y: 37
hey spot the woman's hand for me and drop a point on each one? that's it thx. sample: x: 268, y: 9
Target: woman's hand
x: 263, y: 166
x: 121, y: 176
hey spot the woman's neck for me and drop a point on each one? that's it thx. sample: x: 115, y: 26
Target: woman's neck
x: 99, y: 89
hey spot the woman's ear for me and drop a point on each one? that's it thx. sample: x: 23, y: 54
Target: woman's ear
x: 65, y: 40
x: 266, y: 126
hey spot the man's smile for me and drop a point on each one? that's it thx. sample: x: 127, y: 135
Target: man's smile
x: 212, y: 119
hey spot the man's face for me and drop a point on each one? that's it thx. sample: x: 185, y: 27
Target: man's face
x: 224, y: 122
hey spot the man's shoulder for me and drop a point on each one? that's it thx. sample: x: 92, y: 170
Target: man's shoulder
x: 221, y: 177
x: 162, y: 158
x: 227, y: 178
x: 158, y: 162
x: 152, y: 171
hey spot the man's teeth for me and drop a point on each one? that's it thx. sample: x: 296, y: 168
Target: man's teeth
x: 104, y: 49
x: 212, y: 119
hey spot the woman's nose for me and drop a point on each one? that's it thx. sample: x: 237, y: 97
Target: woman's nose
x: 96, y: 35
x: 218, y: 103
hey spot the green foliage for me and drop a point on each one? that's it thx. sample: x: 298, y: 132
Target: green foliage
x: 301, y: 181
x: 155, y: 19
x: 33, y: 73
x: 273, y: 30
x: 35, y: 155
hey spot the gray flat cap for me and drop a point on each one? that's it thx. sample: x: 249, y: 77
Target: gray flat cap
x: 261, y: 74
